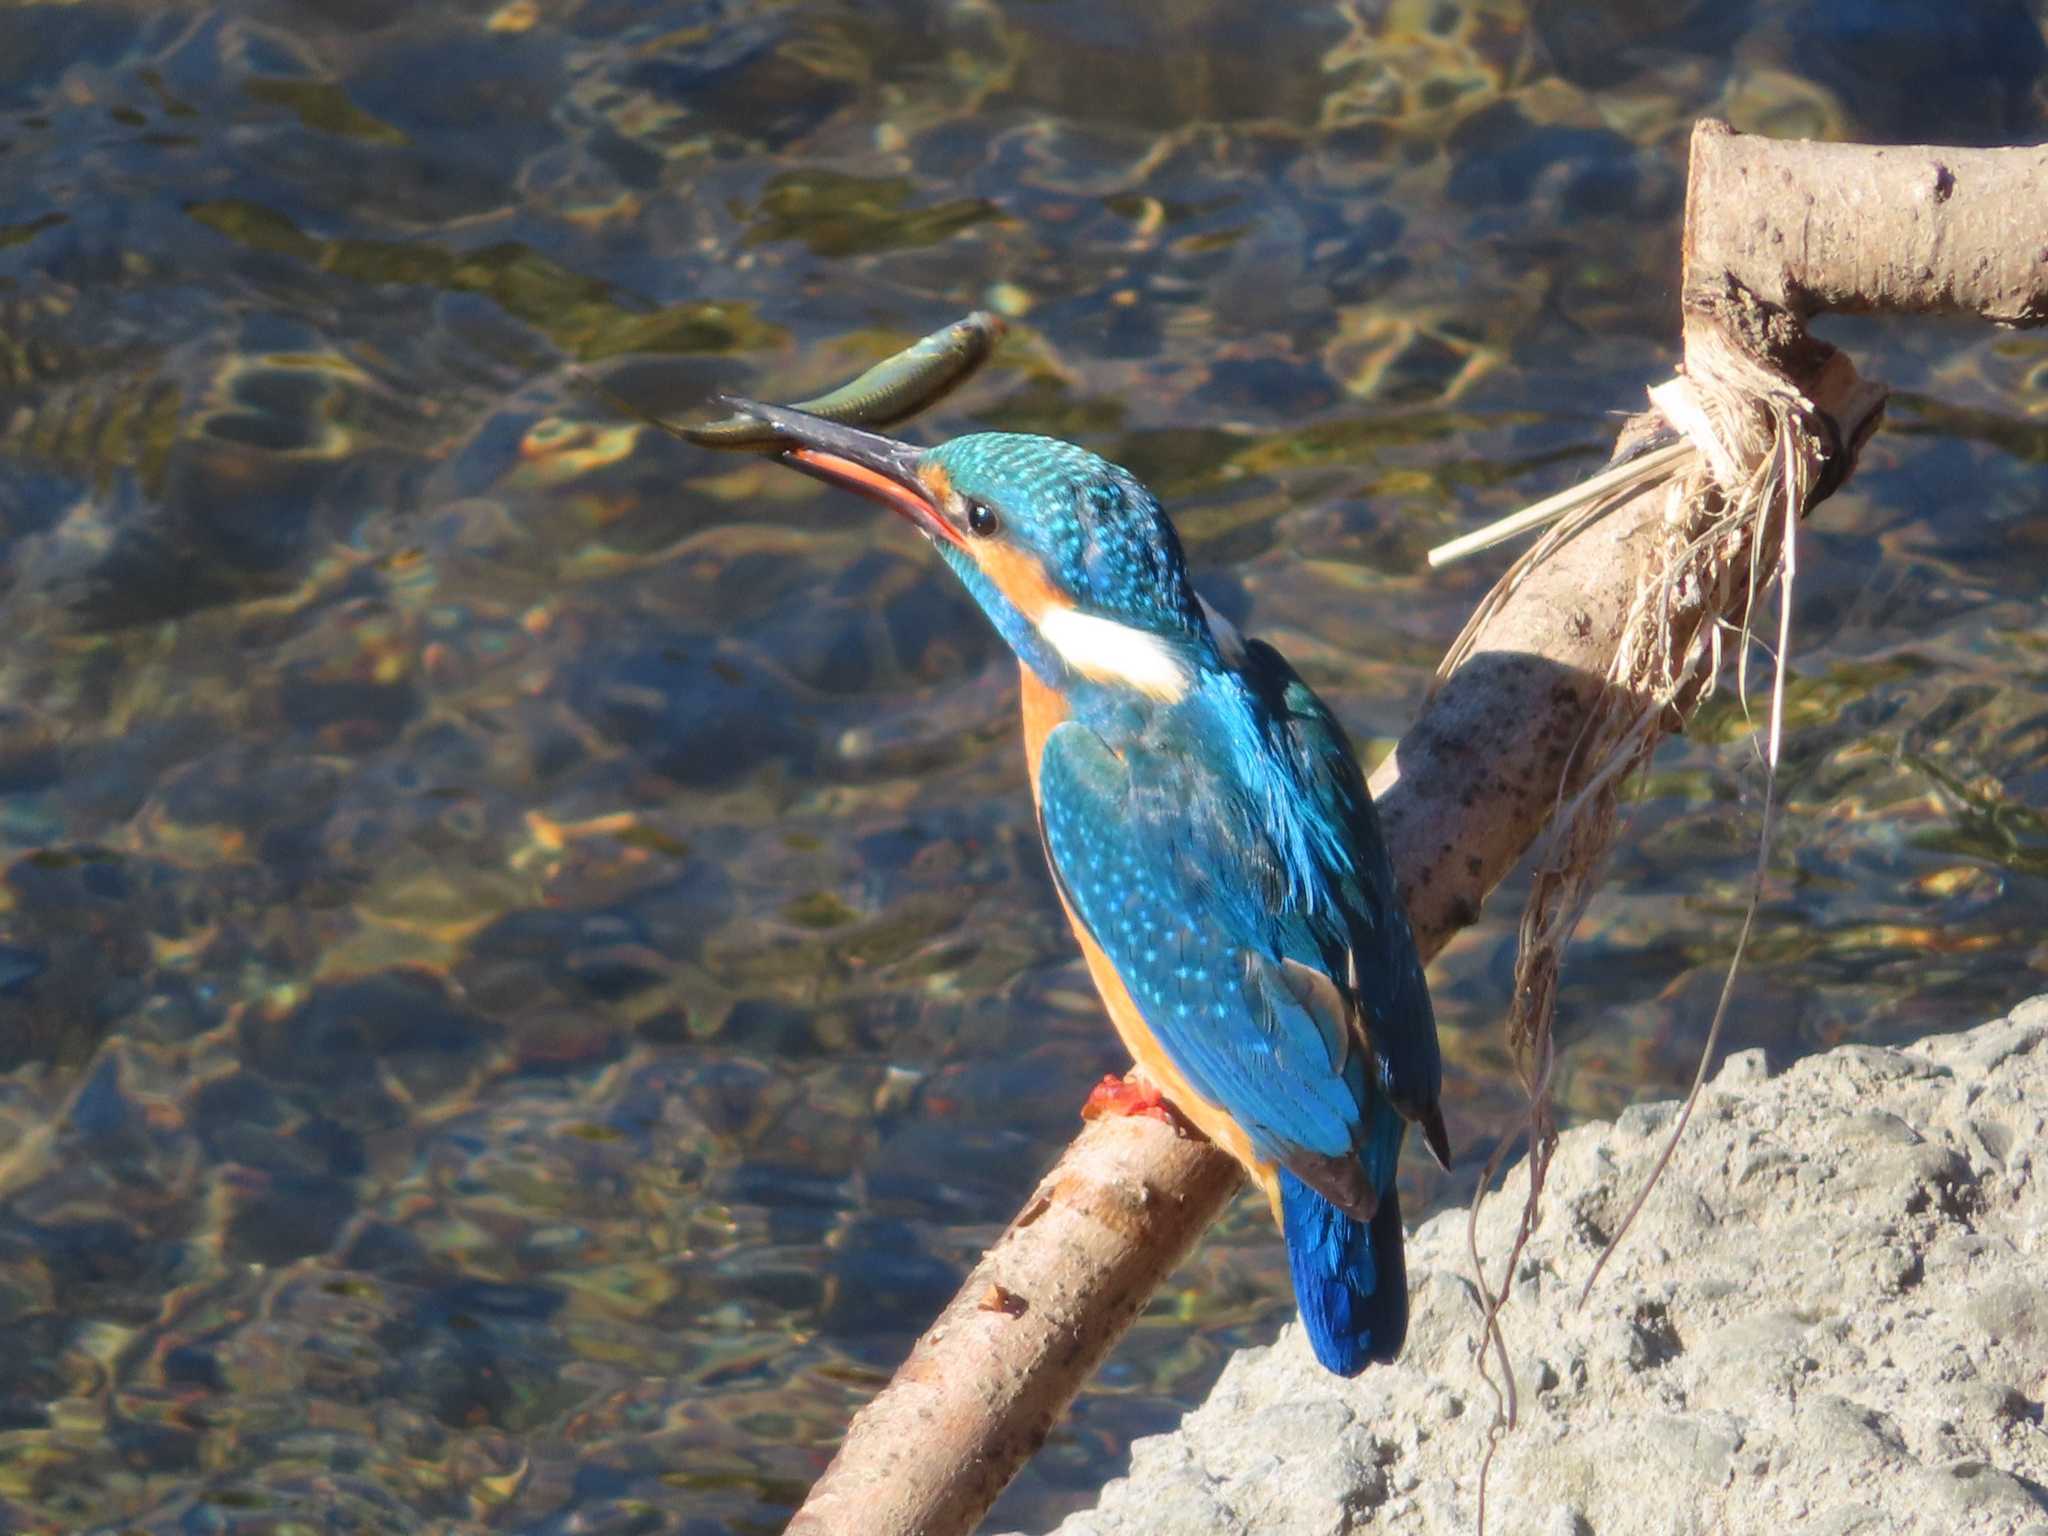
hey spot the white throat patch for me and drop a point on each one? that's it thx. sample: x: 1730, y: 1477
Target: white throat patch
x: 1108, y: 652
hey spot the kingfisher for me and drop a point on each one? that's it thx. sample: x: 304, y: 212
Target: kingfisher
x: 1210, y: 837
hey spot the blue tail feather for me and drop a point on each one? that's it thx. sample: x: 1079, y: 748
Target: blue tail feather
x: 1350, y: 1277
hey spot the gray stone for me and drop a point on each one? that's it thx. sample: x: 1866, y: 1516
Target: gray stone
x: 1970, y: 1486
x: 1743, y: 1069
x: 1646, y: 1119
x: 1834, y: 1427
x: 1851, y: 1520
x: 1829, y: 1318
x: 1995, y: 1400
x: 2013, y: 1312
x: 1980, y: 1051
x: 1703, y: 1447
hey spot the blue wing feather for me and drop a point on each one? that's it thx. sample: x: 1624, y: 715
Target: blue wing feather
x: 1182, y: 892
x: 1136, y: 879
x: 1365, y: 932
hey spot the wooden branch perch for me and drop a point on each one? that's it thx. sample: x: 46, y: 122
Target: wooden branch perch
x: 1468, y: 789
x: 1856, y: 228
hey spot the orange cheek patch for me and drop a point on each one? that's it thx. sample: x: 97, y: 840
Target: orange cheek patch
x: 1018, y: 576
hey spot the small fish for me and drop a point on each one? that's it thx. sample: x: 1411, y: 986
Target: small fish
x: 894, y: 390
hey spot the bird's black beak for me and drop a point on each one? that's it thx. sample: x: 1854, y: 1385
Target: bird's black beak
x: 877, y: 467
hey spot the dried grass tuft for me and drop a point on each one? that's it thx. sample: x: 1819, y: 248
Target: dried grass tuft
x: 1761, y: 454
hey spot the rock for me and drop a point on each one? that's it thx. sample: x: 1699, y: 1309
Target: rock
x: 1829, y: 1318
x: 1743, y: 1069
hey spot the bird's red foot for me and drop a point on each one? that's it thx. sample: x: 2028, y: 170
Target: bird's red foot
x: 1126, y: 1096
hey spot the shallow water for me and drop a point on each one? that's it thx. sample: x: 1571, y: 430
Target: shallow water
x: 525, y: 971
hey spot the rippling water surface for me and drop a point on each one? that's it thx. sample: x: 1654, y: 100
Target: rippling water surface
x: 525, y: 972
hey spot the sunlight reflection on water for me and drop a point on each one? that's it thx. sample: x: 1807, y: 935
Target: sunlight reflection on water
x: 526, y: 970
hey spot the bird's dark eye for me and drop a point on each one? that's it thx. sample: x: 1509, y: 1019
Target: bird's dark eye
x: 982, y: 521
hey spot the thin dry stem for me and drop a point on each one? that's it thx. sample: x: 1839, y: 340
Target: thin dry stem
x: 1788, y: 570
